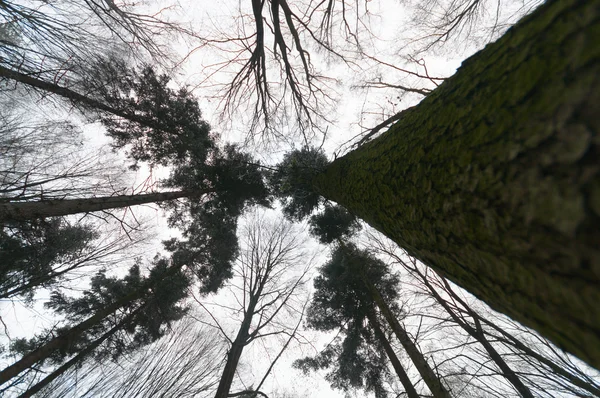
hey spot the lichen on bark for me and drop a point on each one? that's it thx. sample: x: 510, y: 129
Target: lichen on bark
x: 494, y: 179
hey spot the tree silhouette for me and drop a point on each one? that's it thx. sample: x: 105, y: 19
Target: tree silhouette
x: 140, y: 305
x: 341, y: 302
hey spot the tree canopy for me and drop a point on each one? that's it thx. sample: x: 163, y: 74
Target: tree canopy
x: 342, y: 303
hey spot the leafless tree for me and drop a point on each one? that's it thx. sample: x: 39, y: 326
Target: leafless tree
x: 457, y: 22
x: 268, y: 296
x: 483, y: 352
x: 184, y: 363
x: 50, y: 158
x: 278, y: 61
x: 56, y: 38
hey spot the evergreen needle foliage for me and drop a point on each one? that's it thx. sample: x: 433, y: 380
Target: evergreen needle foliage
x: 342, y: 303
x: 153, y: 304
x: 31, y: 250
x: 292, y: 182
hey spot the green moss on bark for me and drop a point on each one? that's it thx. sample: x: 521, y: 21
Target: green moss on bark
x: 493, y: 179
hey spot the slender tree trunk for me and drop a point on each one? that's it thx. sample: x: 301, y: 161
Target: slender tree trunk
x: 509, y: 339
x: 83, y: 354
x: 63, y: 340
x: 35, y: 282
x: 67, y: 338
x: 494, y: 180
x: 429, y: 377
x: 235, y: 352
x: 478, y: 334
x: 409, y: 388
x: 21, y: 211
x: 40, y: 280
x: 70, y: 95
x: 506, y: 370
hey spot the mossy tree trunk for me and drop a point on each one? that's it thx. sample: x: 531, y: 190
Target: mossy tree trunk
x: 494, y: 178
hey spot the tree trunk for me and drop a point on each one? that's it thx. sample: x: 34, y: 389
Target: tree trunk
x: 235, y: 352
x: 588, y: 385
x: 409, y: 388
x: 66, y: 339
x: 21, y: 211
x: 77, y: 358
x: 429, y: 377
x: 71, y: 95
x: 479, y: 335
x: 506, y: 370
x: 494, y: 180
x: 63, y: 340
x: 38, y: 281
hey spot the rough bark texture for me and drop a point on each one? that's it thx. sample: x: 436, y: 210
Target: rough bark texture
x: 493, y: 179
x: 22, y: 211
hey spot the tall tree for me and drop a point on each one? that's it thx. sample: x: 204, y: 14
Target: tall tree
x: 79, y: 357
x: 529, y: 364
x: 165, y: 368
x: 269, y: 275
x: 153, y: 301
x: 156, y: 125
x: 159, y: 125
x: 281, y: 73
x: 341, y: 302
x: 335, y: 223
x: 492, y: 178
x: 418, y: 359
x: 44, y: 157
x: 33, y: 252
x: 24, y: 211
x: 59, y: 39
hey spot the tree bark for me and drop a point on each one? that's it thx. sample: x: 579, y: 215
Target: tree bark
x: 77, y: 358
x: 22, y: 211
x: 494, y: 180
x: 435, y: 385
x: 235, y: 352
x: 409, y: 388
x: 63, y: 340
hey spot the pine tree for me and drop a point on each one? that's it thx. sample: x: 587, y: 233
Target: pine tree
x: 153, y: 300
x: 30, y: 251
x: 341, y: 302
